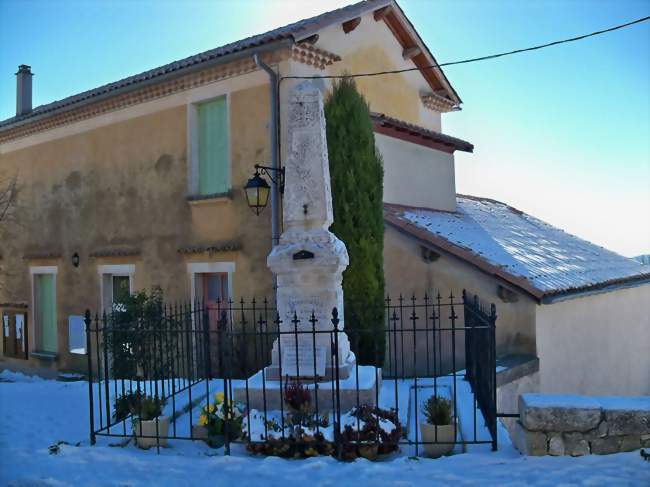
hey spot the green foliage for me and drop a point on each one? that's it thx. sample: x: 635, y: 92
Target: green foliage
x: 125, y: 403
x: 137, y: 334
x: 148, y: 407
x: 357, y: 192
x: 437, y: 410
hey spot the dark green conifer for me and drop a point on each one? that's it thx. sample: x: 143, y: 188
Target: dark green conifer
x: 357, y: 192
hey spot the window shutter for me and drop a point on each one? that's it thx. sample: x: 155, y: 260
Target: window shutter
x: 47, y: 310
x: 213, y: 147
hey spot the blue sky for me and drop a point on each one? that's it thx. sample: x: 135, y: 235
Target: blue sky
x: 562, y: 133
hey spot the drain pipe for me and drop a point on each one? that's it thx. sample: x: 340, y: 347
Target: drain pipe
x: 275, y: 163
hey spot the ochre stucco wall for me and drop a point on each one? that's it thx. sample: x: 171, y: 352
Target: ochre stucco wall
x: 121, y: 180
x: 407, y: 273
x: 372, y: 47
x: 125, y: 185
x: 596, y: 345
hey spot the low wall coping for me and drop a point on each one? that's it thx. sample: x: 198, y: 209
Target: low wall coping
x: 515, y: 366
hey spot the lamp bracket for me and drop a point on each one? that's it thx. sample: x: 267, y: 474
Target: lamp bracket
x: 279, y: 178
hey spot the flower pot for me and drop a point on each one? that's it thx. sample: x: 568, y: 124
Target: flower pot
x: 215, y: 441
x: 145, y: 432
x: 445, y: 435
x: 369, y: 452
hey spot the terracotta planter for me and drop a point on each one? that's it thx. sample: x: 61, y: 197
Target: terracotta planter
x: 149, y: 430
x: 445, y: 434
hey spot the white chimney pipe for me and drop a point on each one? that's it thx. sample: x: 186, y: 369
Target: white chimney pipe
x: 23, y: 90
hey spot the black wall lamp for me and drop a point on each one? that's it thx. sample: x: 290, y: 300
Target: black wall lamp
x: 257, y: 189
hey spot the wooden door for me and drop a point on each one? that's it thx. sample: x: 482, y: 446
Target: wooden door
x: 215, y: 299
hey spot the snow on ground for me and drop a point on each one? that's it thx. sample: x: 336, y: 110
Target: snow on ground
x: 34, y: 414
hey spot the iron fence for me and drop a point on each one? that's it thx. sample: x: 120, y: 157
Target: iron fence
x: 235, y: 372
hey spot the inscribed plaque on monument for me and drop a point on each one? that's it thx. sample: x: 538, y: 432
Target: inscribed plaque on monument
x: 299, y: 361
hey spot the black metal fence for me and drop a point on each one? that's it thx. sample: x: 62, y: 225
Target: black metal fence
x: 236, y: 372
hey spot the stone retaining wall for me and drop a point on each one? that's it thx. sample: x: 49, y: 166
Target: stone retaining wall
x: 581, y: 425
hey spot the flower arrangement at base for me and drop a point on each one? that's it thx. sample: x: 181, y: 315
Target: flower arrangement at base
x: 377, y: 433
x: 217, y: 416
x: 303, y: 437
x: 298, y: 445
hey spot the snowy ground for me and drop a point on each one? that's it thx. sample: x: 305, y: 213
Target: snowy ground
x: 35, y: 414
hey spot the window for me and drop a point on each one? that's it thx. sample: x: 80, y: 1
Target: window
x: 116, y: 284
x: 76, y: 334
x: 211, y: 281
x: 215, y: 286
x: 44, y: 304
x: 212, y: 171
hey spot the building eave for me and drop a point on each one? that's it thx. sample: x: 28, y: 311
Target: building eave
x: 420, y: 135
x: 93, y: 97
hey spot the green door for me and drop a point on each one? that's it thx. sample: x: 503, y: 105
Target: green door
x: 46, y: 311
x: 213, y: 147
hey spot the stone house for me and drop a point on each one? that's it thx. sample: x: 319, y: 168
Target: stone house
x: 139, y: 183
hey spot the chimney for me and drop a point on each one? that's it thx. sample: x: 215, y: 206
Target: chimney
x: 23, y: 90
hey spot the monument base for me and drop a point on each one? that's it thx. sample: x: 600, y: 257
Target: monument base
x: 263, y: 392
x: 307, y: 370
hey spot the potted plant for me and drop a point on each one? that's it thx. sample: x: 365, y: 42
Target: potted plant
x: 439, y: 427
x: 125, y: 404
x: 150, y: 427
x: 213, y: 419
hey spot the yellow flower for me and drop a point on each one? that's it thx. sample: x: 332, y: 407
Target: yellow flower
x: 211, y: 408
x: 218, y: 397
x: 203, y: 420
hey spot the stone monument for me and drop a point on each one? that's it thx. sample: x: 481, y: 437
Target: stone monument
x: 309, y: 262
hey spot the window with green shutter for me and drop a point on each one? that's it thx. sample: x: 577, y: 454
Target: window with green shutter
x: 213, y: 167
x: 45, y: 311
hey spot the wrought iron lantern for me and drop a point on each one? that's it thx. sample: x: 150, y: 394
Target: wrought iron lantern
x: 257, y: 193
x: 257, y: 189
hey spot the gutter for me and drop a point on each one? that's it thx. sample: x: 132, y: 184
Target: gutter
x: 596, y: 289
x: 275, y: 163
x: 226, y: 58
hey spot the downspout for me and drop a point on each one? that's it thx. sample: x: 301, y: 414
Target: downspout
x: 275, y: 163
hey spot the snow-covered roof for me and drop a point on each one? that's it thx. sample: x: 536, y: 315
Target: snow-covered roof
x: 527, y: 252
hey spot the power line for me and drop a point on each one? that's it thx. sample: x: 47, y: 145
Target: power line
x: 473, y: 60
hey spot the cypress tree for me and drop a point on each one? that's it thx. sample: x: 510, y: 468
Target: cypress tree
x: 357, y: 195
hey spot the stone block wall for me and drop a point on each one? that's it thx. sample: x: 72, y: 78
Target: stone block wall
x: 581, y: 425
